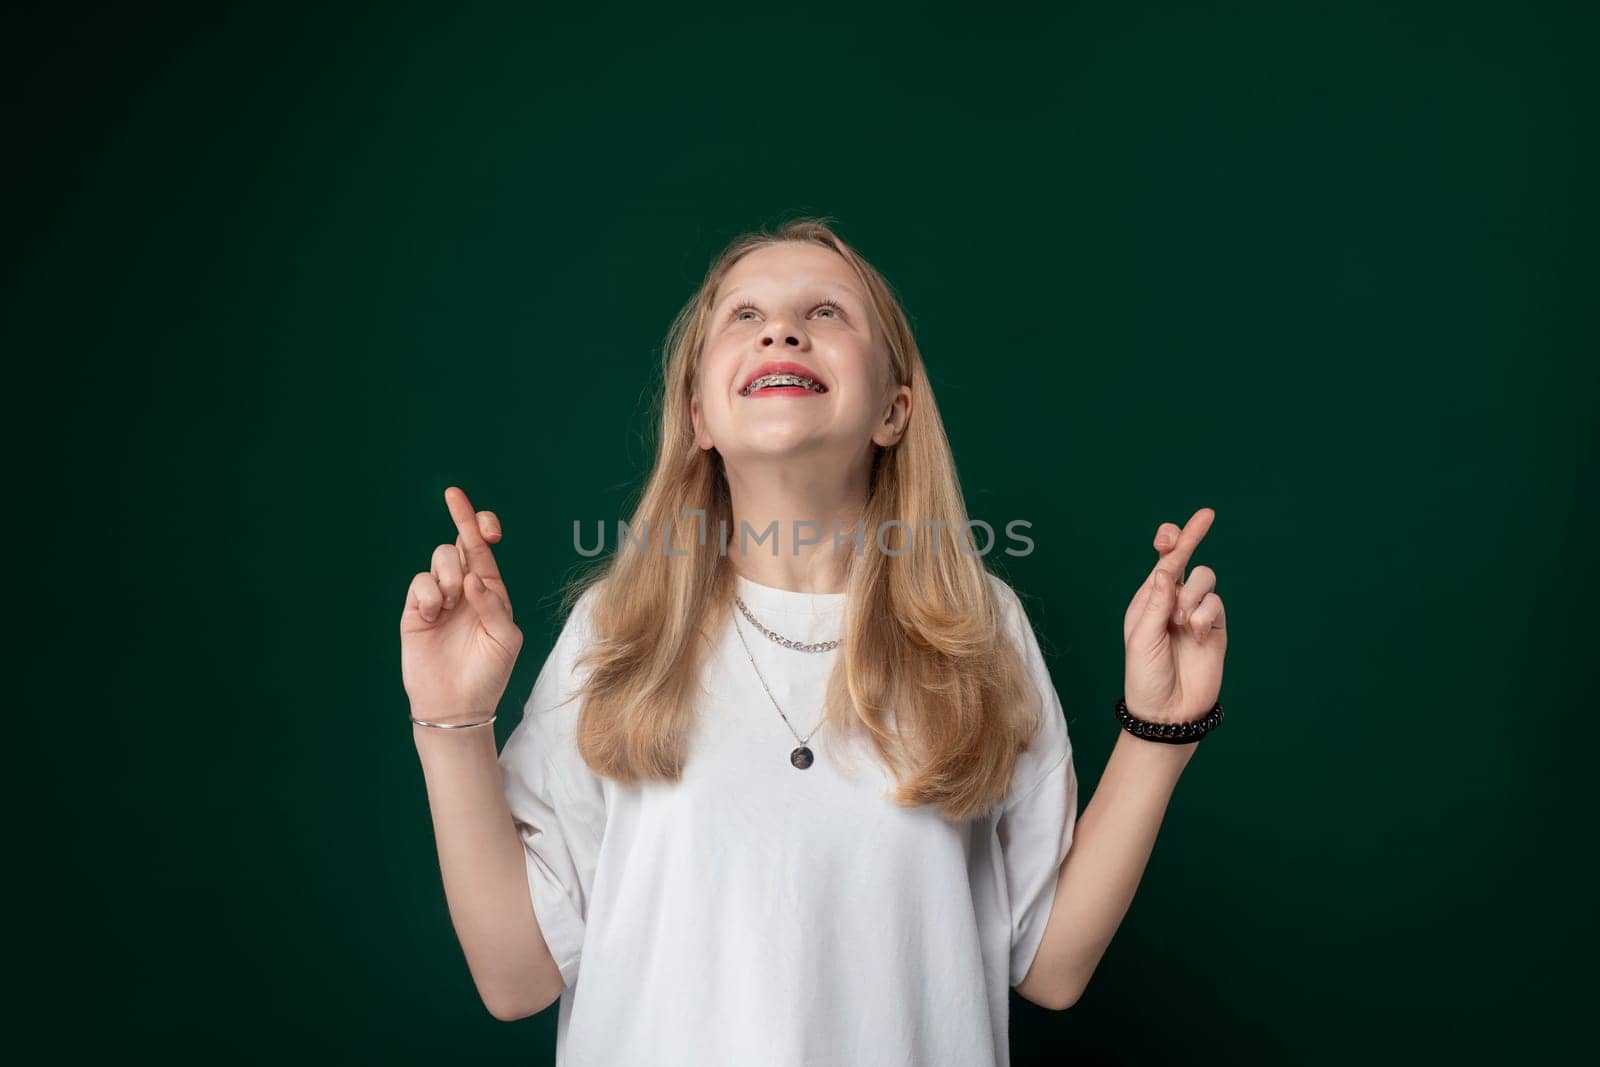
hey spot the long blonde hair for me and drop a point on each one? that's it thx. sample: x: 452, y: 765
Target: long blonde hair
x: 923, y: 634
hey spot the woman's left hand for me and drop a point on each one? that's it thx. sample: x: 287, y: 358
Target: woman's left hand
x: 1174, y: 632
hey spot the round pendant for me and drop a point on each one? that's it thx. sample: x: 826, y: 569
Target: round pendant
x: 801, y: 757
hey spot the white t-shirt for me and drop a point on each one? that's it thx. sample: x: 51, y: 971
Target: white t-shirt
x: 756, y: 913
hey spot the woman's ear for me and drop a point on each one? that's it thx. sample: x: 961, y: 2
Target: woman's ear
x: 893, y: 426
x: 701, y: 438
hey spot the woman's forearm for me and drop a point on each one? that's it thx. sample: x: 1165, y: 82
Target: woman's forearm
x: 482, y: 861
x: 1111, y: 844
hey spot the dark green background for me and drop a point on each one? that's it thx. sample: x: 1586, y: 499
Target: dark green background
x: 275, y: 277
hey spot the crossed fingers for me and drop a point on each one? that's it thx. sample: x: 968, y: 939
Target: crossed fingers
x: 1196, y: 604
x: 473, y: 531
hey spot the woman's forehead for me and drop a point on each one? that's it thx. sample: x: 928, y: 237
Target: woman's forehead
x: 789, y: 263
x: 781, y: 275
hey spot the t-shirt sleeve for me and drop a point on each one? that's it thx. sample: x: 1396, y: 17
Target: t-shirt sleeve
x: 1041, y: 807
x: 557, y: 802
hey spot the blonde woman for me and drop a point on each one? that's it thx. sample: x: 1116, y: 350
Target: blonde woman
x: 794, y: 785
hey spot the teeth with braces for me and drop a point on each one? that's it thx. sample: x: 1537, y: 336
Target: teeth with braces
x: 783, y: 379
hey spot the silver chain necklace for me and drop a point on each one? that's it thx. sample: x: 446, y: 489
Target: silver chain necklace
x: 816, y: 646
x: 802, y: 757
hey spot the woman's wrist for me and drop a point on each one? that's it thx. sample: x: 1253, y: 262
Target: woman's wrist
x: 1184, y: 731
x: 450, y: 719
x: 1155, y: 760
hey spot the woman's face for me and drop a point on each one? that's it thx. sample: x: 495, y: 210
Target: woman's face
x: 802, y: 305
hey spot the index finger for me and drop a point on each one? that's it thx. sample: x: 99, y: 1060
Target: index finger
x: 480, y: 559
x: 1175, y: 561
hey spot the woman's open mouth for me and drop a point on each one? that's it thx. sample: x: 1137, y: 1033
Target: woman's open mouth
x: 783, y: 384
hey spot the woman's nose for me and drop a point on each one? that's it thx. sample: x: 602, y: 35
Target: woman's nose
x: 780, y: 331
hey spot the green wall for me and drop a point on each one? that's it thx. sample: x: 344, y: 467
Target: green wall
x: 275, y: 277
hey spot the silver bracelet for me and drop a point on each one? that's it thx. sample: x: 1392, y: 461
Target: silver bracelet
x: 454, y: 725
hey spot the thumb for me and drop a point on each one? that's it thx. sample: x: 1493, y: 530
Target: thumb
x: 494, y: 611
x: 1152, y: 625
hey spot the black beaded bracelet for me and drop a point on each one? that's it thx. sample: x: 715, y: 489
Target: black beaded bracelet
x: 1171, y: 733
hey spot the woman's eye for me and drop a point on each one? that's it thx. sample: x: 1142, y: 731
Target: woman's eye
x: 740, y: 313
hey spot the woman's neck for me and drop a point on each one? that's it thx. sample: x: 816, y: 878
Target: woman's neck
x: 783, y: 527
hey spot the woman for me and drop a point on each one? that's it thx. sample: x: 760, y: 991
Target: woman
x: 794, y: 785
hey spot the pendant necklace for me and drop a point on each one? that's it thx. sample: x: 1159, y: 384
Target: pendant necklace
x: 802, y: 757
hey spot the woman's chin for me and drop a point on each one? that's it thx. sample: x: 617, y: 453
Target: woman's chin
x: 768, y: 442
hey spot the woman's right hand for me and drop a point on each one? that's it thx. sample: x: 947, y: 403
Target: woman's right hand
x: 457, y: 641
